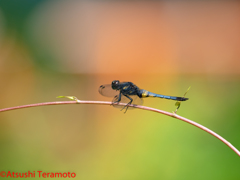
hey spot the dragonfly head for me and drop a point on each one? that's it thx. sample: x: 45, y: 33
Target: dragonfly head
x: 115, y: 84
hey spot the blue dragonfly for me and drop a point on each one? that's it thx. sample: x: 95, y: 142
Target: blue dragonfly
x: 127, y: 92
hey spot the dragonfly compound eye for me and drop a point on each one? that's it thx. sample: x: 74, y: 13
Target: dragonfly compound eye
x: 115, y: 84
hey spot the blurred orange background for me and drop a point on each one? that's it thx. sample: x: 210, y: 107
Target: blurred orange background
x: 53, y: 48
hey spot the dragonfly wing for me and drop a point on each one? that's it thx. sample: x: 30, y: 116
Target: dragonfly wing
x: 137, y: 100
x: 106, y: 90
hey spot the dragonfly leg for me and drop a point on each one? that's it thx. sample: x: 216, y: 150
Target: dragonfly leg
x: 130, y: 102
x: 118, y: 97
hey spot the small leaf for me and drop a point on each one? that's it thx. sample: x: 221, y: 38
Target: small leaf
x: 187, y: 91
x: 177, y: 103
x: 69, y: 97
x: 61, y: 96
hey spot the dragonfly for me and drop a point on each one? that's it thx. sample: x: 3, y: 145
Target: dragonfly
x: 129, y: 93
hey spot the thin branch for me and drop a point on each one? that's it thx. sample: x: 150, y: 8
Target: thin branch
x: 136, y: 106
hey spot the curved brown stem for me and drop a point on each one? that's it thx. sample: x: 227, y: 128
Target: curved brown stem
x: 136, y: 106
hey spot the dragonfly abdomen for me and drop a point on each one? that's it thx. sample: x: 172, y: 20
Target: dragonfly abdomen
x: 144, y: 93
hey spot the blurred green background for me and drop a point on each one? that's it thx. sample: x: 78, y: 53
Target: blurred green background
x: 52, y: 48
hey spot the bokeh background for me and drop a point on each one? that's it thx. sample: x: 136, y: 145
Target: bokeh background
x: 52, y: 48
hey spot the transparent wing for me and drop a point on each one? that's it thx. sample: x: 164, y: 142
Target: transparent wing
x: 106, y: 90
x: 124, y: 99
